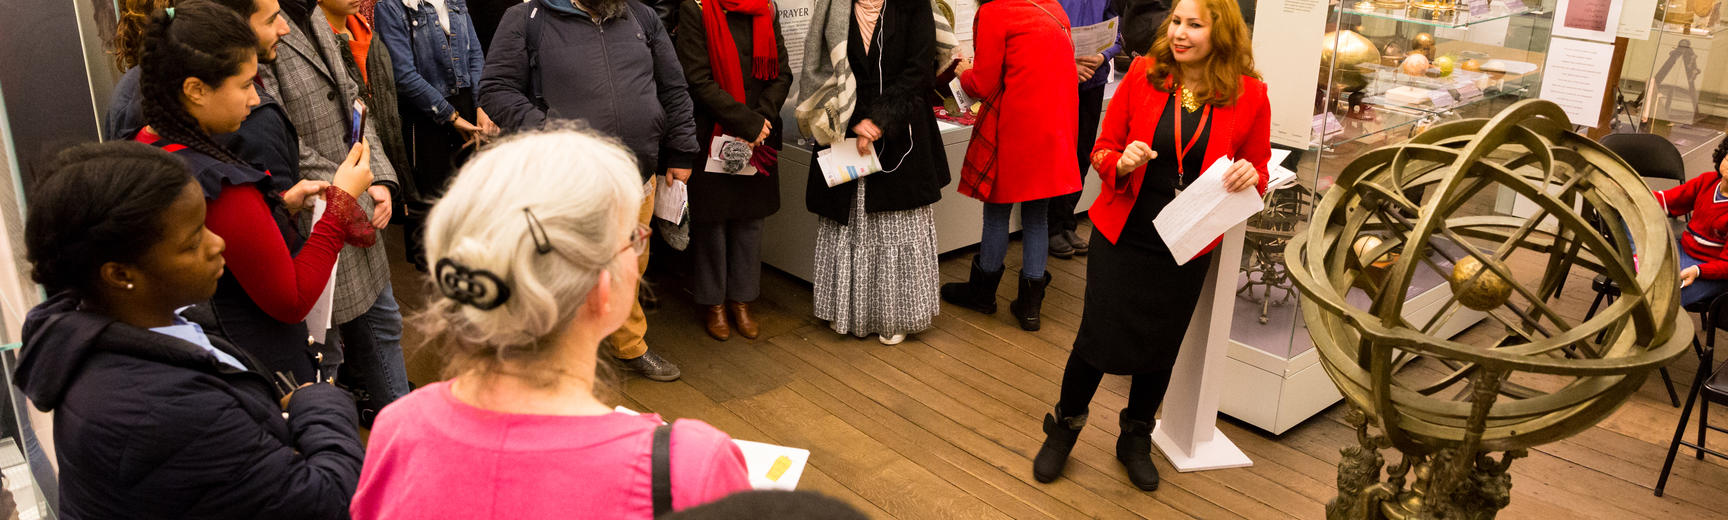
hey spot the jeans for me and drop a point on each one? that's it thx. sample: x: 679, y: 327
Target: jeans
x: 1035, y: 247
x: 1701, y: 290
x: 372, y: 351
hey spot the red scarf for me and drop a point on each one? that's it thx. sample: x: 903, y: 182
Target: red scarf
x: 723, y: 53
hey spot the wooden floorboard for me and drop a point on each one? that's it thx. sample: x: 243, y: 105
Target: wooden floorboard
x: 945, y: 424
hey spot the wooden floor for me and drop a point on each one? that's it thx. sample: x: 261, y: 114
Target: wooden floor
x: 945, y: 424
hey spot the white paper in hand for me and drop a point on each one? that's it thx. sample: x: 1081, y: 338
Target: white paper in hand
x: 770, y: 466
x: 1095, y: 38
x: 318, y: 320
x: 1203, y: 212
x: 669, y: 200
x: 841, y: 163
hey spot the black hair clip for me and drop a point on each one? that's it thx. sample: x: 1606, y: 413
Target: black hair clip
x: 542, y: 241
x: 475, y: 287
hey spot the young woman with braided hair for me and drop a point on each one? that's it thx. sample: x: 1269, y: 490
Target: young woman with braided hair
x: 198, y: 66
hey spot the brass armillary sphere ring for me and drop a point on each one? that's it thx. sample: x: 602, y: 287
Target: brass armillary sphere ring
x: 1593, y: 209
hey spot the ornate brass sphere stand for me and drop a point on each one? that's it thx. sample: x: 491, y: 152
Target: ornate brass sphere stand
x: 1410, y: 199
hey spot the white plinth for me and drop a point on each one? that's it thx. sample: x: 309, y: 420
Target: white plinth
x: 1215, y: 453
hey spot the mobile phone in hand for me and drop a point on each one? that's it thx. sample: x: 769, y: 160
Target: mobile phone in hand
x: 357, y: 123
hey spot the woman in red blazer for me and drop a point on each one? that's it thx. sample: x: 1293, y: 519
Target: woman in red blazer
x: 1023, y: 147
x: 1195, y: 98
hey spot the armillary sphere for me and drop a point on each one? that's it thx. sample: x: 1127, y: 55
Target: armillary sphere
x: 1398, y: 208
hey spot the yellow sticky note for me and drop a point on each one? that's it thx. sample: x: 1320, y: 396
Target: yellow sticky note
x: 781, y: 464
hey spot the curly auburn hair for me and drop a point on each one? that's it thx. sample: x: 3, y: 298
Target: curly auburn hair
x: 1231, y: 58
x: 128, y: 44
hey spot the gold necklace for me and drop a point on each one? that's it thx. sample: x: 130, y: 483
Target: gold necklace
x: 1190, y: 102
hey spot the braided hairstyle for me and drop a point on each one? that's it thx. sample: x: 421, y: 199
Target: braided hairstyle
x: 99, y: 203
x: 201, y: 40
x: 128, y: 41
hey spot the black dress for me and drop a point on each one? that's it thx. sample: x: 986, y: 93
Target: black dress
x: 1138, y: 301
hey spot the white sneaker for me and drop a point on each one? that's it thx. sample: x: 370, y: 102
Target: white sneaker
x: 891, y: 340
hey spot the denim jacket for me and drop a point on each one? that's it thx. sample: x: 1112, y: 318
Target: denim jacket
x: 430, y: 65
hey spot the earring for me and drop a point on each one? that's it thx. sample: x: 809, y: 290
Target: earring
x: 128, y: 286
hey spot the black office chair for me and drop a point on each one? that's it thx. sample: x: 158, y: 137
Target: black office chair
x: 1711, y: 384
x: 1653, y: 157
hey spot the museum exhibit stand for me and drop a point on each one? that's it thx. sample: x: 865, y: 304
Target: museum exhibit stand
x: 1388, y: 70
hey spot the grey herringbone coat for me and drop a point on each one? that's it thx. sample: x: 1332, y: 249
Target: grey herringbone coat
x: 311, y: 82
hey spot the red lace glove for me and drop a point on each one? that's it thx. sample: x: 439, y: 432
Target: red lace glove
x: 342, y: 207
x: 765, y: 158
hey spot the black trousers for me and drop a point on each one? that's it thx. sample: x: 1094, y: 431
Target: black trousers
x: 1062, y: 206
x: 1080, y: 382
x: 437, y: 151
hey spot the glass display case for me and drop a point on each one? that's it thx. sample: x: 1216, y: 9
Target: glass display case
x: 1389, y: 69
x: 1674, y: 83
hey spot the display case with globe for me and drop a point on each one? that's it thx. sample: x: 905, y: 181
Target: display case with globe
x: 1389, y: 69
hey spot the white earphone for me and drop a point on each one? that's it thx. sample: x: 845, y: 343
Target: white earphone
x: 910, y: 139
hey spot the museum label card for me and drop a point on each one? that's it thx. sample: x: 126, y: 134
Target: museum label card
x: 1469, y: 91
x: 1597, y: 20
x: 1576, y: 78
x: 1440, y: 98
x: 1636, y: 18
x: 1477, y: 7
x: 1290, y: 65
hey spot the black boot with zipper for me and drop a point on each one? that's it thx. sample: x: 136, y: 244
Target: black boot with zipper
x: 1028, y: 307
x: 977, y: 293
x: 1134, y: 450
x: 1060, y: 434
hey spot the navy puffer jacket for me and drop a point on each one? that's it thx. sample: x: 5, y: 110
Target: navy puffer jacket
x: 151, y: 426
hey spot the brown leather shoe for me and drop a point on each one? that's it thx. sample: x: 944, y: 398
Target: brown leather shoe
x: 740, y: 313
x: 714, y: 321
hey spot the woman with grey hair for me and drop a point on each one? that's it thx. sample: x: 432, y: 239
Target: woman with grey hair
x: 533, y: 251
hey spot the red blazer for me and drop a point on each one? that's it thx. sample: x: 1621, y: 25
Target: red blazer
x: 1242, y: 130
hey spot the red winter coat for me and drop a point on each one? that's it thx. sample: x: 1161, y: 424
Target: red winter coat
x: 1241, y: 130
x: 1023, y: 145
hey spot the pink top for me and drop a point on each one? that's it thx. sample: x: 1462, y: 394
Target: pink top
x: 432, y: 456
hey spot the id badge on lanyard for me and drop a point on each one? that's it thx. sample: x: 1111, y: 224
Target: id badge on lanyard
x: 1182, y: 150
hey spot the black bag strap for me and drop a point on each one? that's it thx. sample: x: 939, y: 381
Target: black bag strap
x: 662, y: 470
x: 533, y: 47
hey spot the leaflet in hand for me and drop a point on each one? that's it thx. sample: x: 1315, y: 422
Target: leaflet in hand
x: 1203, y: 212
x: 841, y: 163
x: 730, y: 155
x: 669, y: 200
x: 1095, y: 38
x: 770, y: 466
x: 318, y: 319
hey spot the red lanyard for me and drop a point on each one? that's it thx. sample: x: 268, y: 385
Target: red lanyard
x: 1198, y: 129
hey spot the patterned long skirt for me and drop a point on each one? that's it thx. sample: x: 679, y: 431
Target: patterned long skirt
x: 878, y: 274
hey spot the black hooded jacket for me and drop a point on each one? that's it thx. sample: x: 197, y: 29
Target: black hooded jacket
x: 151, y: 426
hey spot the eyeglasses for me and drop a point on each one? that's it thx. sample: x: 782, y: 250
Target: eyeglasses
x: 639, y: 242
x: 543, y: 243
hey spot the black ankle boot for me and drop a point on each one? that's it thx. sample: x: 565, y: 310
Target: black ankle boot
x: 1134, y: 449
x: 1029, y: 305
x: 977, y: 293
x: 1059, y: 437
